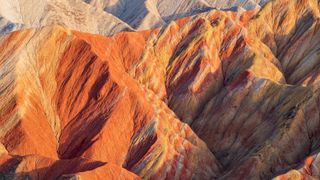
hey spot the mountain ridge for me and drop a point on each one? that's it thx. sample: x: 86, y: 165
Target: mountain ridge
x: 219, y: 95
x: 100, y: 16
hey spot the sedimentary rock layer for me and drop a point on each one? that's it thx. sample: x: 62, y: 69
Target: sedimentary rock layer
x: 220, y: 95
x: 74, y: 14
x: 64, y: 98
x: 146, y: 14
x: 105, y: 17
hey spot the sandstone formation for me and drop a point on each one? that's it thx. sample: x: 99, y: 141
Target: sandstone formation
x: 309, y: 170
x: 37, y: 167
x: 145, y: 14
x: 105, y: 17
x: 218, y: 95
x: 74, y: 14
x: 64, y: 98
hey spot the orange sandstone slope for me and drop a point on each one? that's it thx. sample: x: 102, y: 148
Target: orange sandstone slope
x: 37, y: 167
x: 64, y: 98
x: 220, y: 95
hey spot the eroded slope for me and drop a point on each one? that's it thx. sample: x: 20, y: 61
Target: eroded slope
x: 245, y: 82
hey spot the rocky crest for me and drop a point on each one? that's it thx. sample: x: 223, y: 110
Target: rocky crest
x: 106, y: 17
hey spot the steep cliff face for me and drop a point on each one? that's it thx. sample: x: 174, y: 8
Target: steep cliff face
x: 219, y: 95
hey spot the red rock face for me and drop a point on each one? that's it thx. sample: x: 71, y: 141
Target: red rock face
x: 221, y: 95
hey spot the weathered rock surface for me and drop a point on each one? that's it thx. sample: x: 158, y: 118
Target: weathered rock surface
x: 62, y: 85
x: 226, y: 75
x: 105, y: 17
x: 74, y: 14
x: 291, y: 30
x: 219, y: 95
x: 146, y: 14
x: 37, y: 167
x: 309, y: 170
